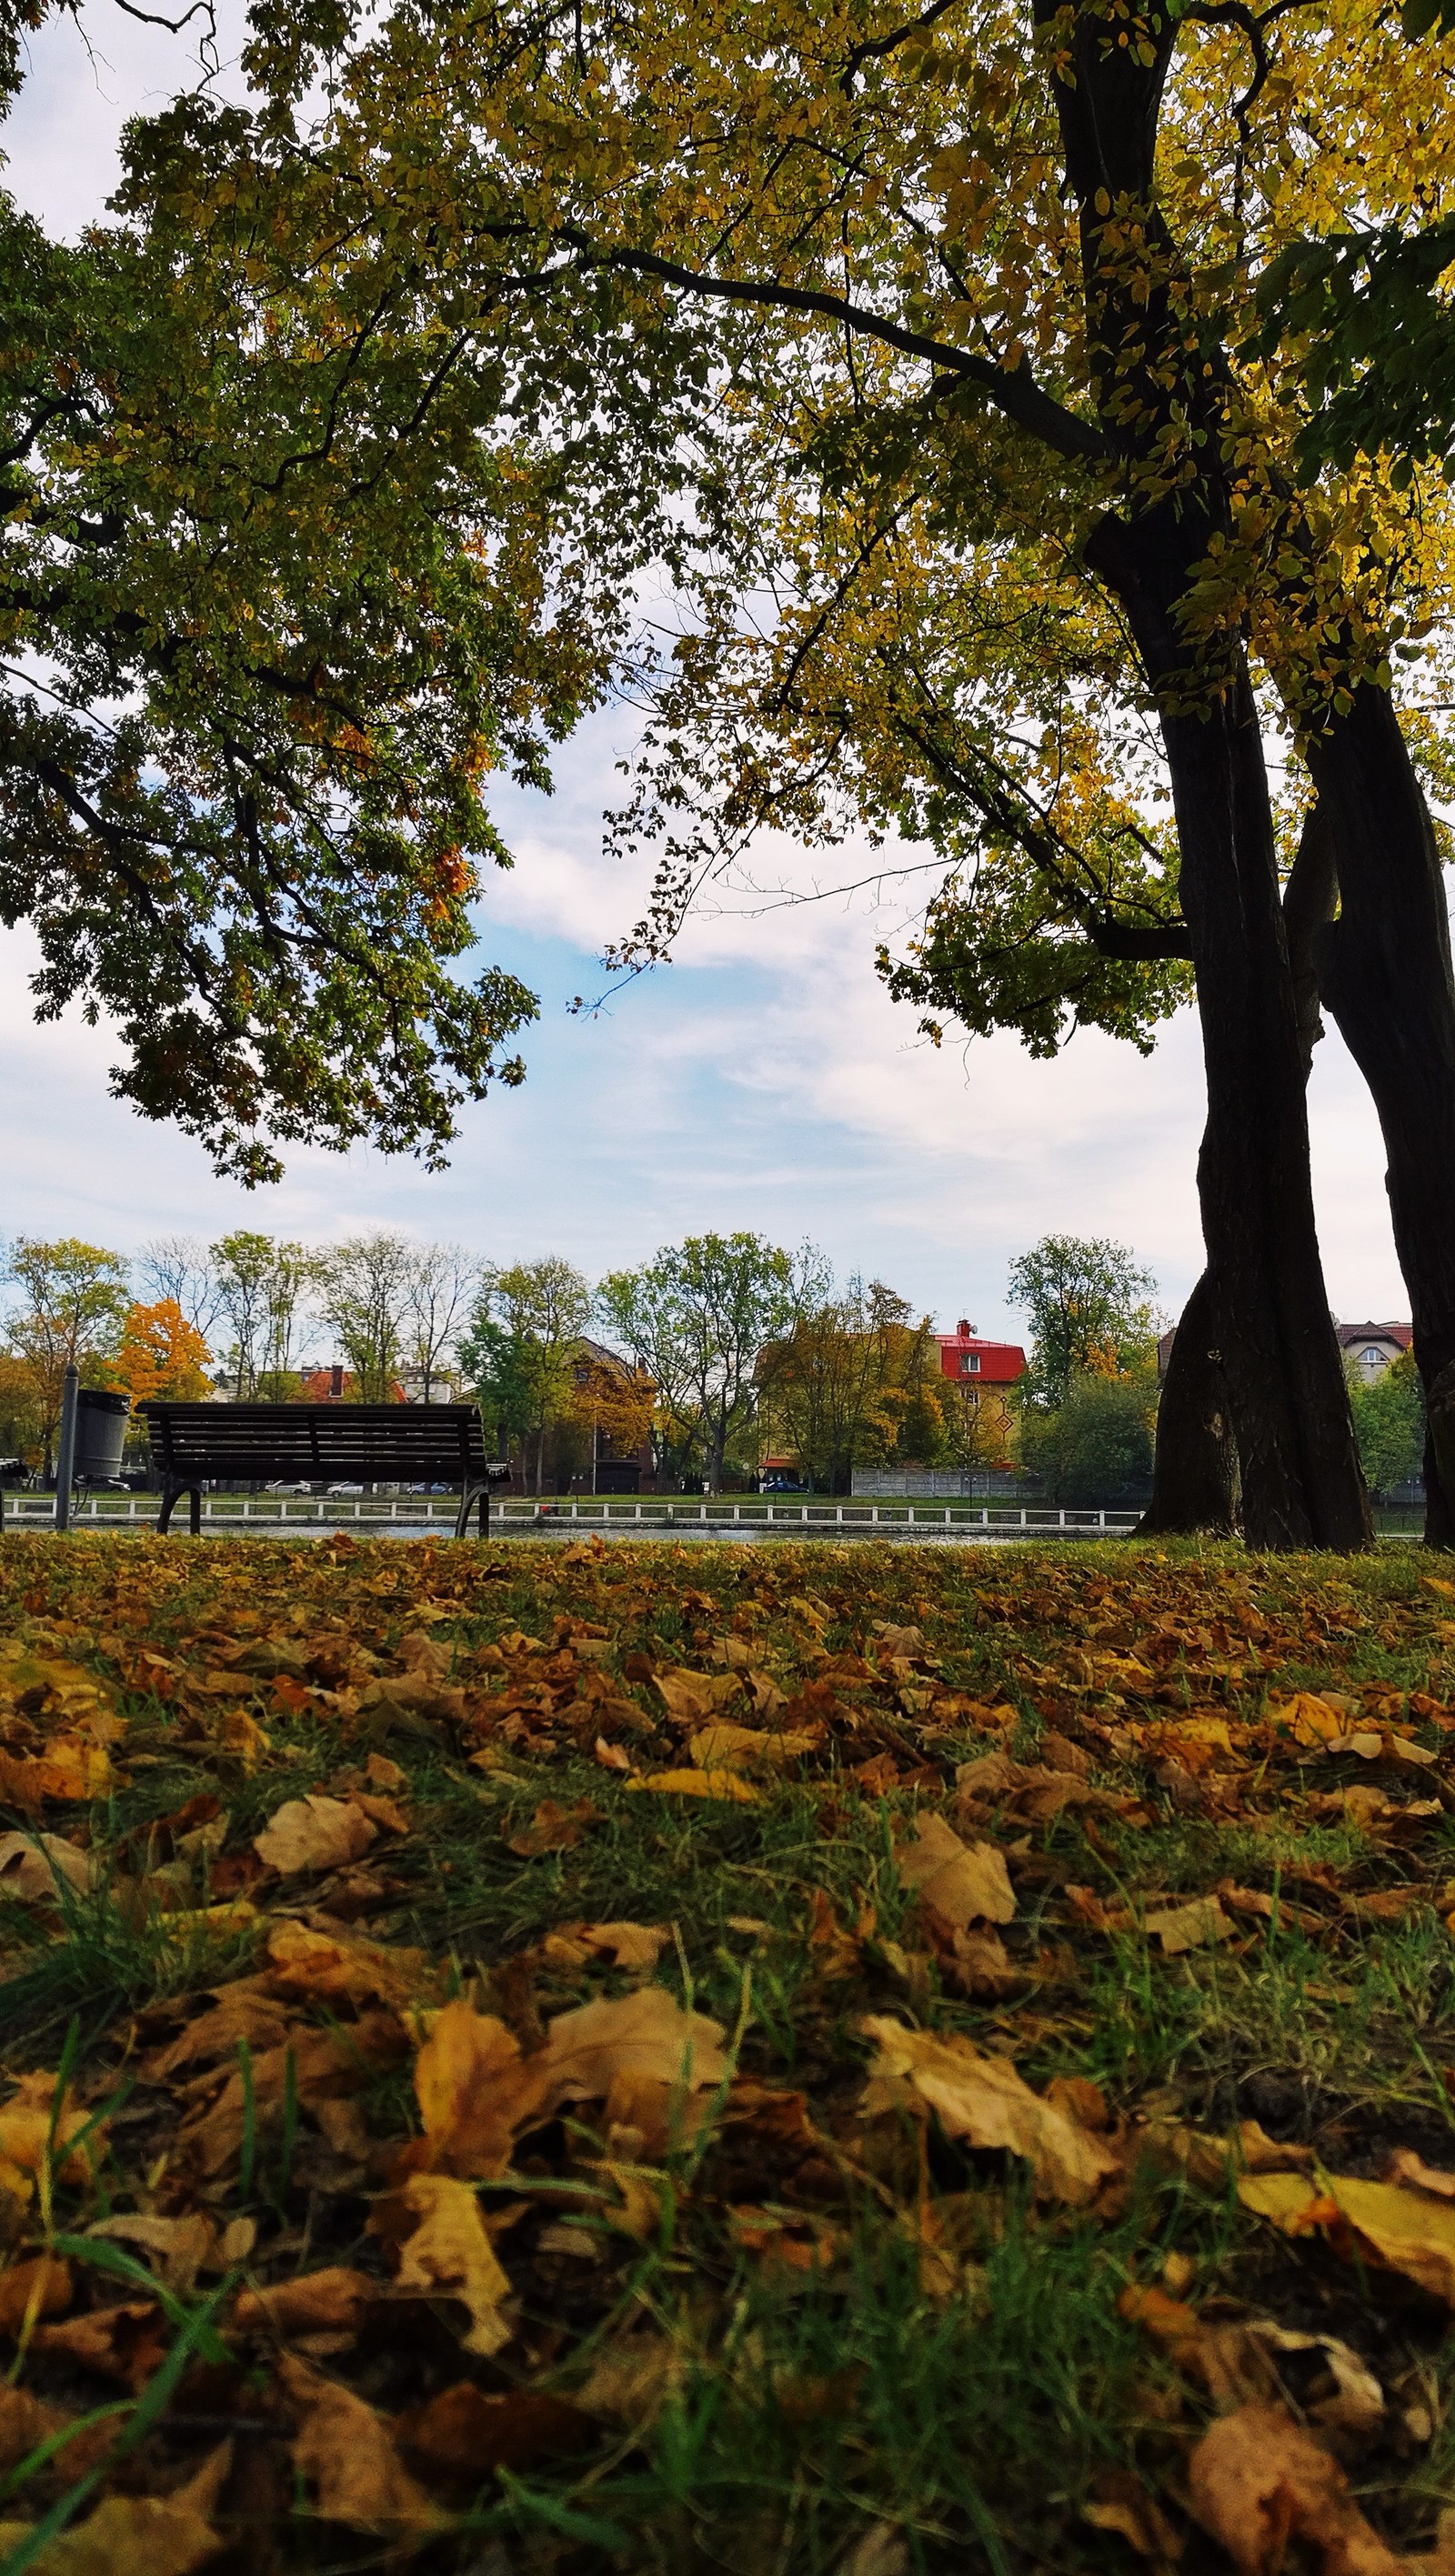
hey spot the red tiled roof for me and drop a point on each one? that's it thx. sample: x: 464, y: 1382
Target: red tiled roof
x: 1001, y: 1363
x: 1349, y: 1334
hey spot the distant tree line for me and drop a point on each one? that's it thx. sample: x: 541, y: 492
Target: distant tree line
x: 716, y: 1353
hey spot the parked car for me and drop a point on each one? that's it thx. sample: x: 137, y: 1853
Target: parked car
x: 782, y: 1485
x: 346, y: 1489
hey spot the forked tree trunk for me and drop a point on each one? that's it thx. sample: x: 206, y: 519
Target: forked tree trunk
x: 1196, y: 1484
x: 1385, y: 975
x: 1289, y: 1405
x: 1286, y: 1392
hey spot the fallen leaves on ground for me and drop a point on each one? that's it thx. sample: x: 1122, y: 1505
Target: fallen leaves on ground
x: 525, y: 1995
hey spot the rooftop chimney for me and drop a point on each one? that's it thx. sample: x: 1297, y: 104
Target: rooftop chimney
x: 964, y: 1330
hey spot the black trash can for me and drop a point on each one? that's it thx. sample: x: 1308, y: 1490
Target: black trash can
x: 100, y: 1432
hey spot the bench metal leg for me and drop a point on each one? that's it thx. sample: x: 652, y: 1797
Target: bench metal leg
x: 471, y: 1495
x: 171, y: 1497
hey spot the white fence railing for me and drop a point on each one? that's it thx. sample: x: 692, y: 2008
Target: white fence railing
x: 262, y: 1512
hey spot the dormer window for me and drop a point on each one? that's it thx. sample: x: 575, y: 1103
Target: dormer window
x: 970, y: 1363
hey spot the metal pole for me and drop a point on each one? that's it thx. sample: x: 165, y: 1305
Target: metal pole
x: 66, y: 1449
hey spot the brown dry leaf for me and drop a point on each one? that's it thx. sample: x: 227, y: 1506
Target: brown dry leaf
x: 31, y: 2128
x: 384, y: 1812
x: 1257, y: 2480
x: 164, y: 2535
x: 627, y: 2040
x: 553, y: 1828
x: 68, y: 1770
x: 475, y: 2090
x: 327, y: 2065
x: 836, y: 1952
x: 645, y: 2200
x: 125, y: 2343
x: 332, y: 2302
x: 39, y: 2287
x: 1237, y: 2361
x: 636, y: 1947
x: 988, y: 1776
x: 899, y: 1641
x: 35, y: 1868
x: 1310, y: 1719
x: 244, y: 1739
x: 25, y: 2422
x: 976, y: 1964
x: 242, y: 2011
x: 880, y: 2552
x: 456, y: 2439
x: 1406, y: 2167
x: 347, y: 2454
x: 1119, y: 2502
x: 1190, y: 1927
x: 179, y: 2248
x: 691, y: 1697
x: 701, y: 1784
x: 1410, y: 2230
x: 428, y: 1657
x: 736, y: 1748
x: 966, y: 1883
x: 328, y: 1967
x: 314, y: 1833
x: 450, y: 2256
x: 983, y: 2100
x: 72, y: 1694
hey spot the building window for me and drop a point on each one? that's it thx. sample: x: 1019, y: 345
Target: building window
x: 1371, y: 1357
x: 970, y: 1363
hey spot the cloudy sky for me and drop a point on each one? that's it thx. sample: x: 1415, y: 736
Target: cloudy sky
x: 763, y: 1081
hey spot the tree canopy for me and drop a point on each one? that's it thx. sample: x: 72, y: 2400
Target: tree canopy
x: 699, y: 1314
x: 1004, y: 541
x: 304, y: 548
x: 1087, y: 1303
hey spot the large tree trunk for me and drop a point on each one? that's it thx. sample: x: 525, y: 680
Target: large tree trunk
x: 1196, y: 1480
x: 1385, y: 976
x: 1289, y: 1405
x: 1285, y: 1381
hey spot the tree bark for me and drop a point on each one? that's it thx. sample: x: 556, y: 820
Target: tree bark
x: 1385, y: 975
x: 1196, y: 1480
x: 1289, y: 1405
x: 1286, y: 1392
x: 1195, y: 1475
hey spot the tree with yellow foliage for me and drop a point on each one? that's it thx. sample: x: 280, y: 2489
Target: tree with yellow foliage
x: 987, y: 290
x: 610, y: 1399
x: 853, y: 1382
x: 951, y: 316
x: 161, y: 1355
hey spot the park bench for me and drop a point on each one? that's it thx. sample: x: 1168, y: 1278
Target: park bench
x: 305, y: 1444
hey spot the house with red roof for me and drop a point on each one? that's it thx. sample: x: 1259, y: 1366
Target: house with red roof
x: 974, y: 1363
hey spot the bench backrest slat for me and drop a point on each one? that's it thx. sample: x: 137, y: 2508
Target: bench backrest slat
x: 364, y: 1443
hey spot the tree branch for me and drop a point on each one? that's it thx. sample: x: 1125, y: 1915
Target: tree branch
x: 1013, y: 391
